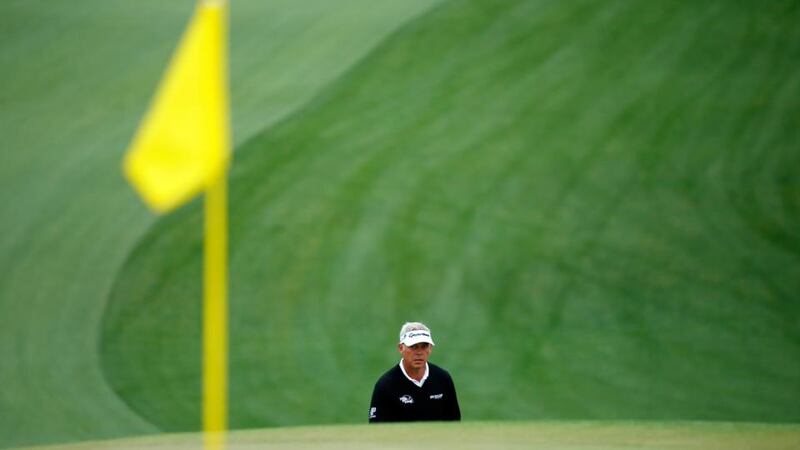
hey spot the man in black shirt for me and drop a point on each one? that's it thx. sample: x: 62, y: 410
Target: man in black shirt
x: 414, y: 389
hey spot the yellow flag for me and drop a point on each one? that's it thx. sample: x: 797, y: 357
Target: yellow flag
x: 182, y: 144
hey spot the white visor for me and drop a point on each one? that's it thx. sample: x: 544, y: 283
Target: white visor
x: 415, y: 337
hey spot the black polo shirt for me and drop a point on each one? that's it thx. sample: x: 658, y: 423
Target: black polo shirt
x: 398, y: 399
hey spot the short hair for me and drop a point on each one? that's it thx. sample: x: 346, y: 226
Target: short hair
x: 412, y: 326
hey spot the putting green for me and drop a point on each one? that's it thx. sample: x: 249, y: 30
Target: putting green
x: 595, y: 205
x: 467, y: 436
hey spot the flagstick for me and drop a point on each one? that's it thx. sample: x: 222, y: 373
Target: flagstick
x: 215, y: 316
x: 215, y: 292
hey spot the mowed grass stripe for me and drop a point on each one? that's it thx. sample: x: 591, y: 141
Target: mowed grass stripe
x: 76, y: 80
x: 547, y: 184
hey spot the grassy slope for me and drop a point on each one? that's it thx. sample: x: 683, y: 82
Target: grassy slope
x: 595, y: 205
x: 508, y: 435
x: 76, y: 78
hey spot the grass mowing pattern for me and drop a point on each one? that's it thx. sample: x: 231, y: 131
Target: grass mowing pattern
x: 593, y: 204
x: 76, y: 78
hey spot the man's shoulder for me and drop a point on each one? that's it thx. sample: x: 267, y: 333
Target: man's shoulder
x: 390, y: 376
x: 437, y: 371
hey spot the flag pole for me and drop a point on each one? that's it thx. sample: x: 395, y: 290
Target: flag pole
x: 215, y: 276
x: 215, y: 316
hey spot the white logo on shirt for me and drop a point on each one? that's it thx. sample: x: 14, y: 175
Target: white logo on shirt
x: 407, y: 399
x: 437, y: 396
x: 372, y: 412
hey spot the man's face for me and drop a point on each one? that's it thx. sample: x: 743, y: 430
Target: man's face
x: 415, y: 356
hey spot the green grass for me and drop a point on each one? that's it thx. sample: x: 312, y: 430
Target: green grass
x: 593, y: 204
x: 76, y: 79
x: 508, y: 435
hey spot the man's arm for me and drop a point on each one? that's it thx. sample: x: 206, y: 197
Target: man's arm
x: 452, y: 410
x: 380, y: 409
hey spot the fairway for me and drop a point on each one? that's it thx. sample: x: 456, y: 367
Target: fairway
x: 511, y: 435
x: 595, y: 205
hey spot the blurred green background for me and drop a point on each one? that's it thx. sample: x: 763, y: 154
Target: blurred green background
x: 594, y: 204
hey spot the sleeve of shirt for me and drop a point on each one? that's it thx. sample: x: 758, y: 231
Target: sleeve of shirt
x: 452, y: 410
x: 380, y: 408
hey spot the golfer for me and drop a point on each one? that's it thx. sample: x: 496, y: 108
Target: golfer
x: 414, y: 389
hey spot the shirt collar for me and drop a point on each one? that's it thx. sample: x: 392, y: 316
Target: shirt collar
x: 418, y: 383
